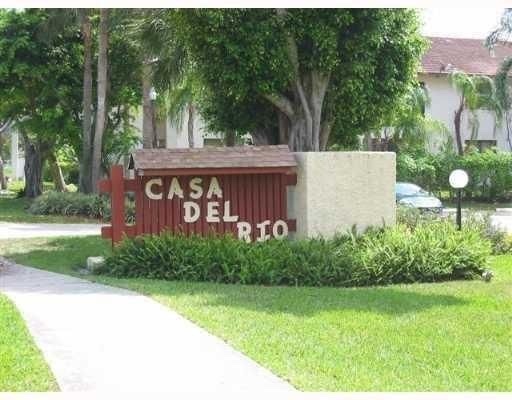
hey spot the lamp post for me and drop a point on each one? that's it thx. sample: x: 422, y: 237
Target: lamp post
x: 459, y: 180
x: 152, y: 97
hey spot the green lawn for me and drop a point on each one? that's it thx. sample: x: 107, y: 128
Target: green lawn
x: 22, y: 367
x: 452, y: 336
x: 14, y: 210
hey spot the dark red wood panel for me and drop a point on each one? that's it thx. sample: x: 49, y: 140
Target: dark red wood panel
x: 254, y: 198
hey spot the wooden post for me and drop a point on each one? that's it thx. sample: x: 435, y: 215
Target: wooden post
x: 117, y: 202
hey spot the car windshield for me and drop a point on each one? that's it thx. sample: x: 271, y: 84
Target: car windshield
x: 409, y: 189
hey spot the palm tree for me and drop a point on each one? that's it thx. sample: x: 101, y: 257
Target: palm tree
x: 476, y: 92
x: 503, y: 89
x: 410, y: 127
x: 101, y: 109
x: 85, y: 181
x: 171, y: 71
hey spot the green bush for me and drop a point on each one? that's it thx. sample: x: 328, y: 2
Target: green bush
x: 490, y: 172
x: 77, y: 204
x: 69, y: 204
x: 430, y: 252
x: 501, y: 241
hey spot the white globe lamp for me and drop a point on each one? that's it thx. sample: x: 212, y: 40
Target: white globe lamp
x: 459, y: 180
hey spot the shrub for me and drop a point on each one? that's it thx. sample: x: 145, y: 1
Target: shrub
x: 69, y: 204
x: 501, y: 241
x: 430, y: 252
x: 490, y: 172
x: 77, y: 204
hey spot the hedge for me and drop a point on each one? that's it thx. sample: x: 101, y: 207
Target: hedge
x: 490, y: 173
x: 77, y: 204
x: 429, y: 252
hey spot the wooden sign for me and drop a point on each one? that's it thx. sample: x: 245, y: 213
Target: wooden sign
x: 234, y: 190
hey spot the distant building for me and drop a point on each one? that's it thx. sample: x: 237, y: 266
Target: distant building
x: 172, y: 135
x: 472, y: 57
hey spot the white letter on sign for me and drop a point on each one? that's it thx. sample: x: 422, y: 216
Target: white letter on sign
x: 190, y: 206
x: 263, y: 228
x: 212, y: 214
x: 149, y: 185
x: 227, y: 213
x: 214, y: 189
x: 175, y: 189
x: 195, y: 187
x: 284, y: 229
x: 244, y: 231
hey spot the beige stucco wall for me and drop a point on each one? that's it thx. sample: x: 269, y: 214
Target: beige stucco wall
x: 337, y: 190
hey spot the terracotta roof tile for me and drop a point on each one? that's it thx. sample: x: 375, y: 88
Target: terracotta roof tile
x: 213, y: 157
x: 469, y: 55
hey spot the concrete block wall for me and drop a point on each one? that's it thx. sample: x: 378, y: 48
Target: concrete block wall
x: 337, y: 190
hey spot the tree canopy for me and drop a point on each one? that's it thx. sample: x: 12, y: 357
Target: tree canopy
x: 296, y: 75
x: 41, y: 85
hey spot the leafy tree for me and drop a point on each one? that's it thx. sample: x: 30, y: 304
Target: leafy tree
x: 119, y: 80
x: 60, y: 19
x: 294, y: 76
x: 476, y: 92
x: 39, y: 87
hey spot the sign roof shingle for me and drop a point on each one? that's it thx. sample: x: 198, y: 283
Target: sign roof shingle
x: 211, y: 158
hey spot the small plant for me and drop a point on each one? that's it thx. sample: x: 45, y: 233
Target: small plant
x: 490, y: 172
x: 77, y: 204
x: 431, y: 251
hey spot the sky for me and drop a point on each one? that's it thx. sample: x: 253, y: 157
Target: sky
x: 460, y: 22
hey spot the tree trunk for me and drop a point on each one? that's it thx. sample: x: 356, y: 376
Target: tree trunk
x: 148, y: 128
x: 368, y: 141
x: 58, y: 178
x: 508, y: 127
x: 33, y: 169
x: 304, y: 112
x: 3, y: 183
x: 85, y: 181
x: 101, y: 109
x: 325, y: 132
x: 230, y: 138
x: 261, y: 137
x: 284, y: 127
x: 305, y: 109
x: 457, y: 123
x: 190, y: 125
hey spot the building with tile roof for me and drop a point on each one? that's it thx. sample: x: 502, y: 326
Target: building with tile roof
x: 471, y: 56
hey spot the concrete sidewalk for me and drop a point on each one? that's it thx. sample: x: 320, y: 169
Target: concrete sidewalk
x: 100, y: 338
x: 9, y: 230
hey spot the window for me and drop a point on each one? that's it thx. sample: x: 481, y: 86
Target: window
x: 481, y: 145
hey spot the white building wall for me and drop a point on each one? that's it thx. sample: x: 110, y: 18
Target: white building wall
x: 177, y: 136
x: 445, y: 100
x: 17, y: 159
